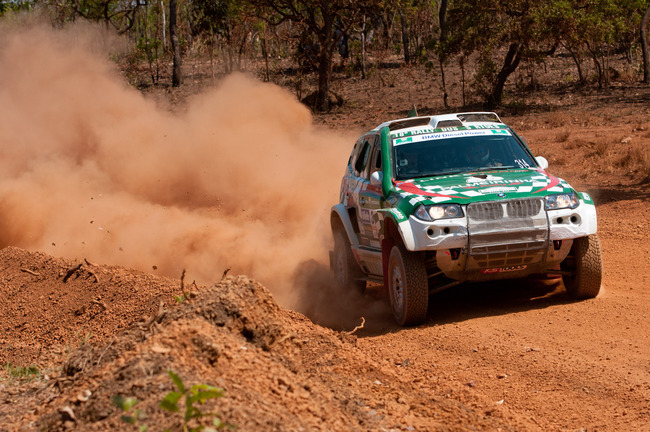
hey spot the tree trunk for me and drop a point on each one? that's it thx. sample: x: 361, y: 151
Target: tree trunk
x: 326, y: 55
x: 461, y: 62
x: 597, y: 65
x: 164, y: 25
x: 324, y: 74
x: 388, y: 25
x: 576, y: 60
x: 363, y: 48
x: 405, y: 37
x: 644, y: 45
x: 442, y: 20
x: 177, y: 76
x: 445, y: 96
x: 513, y: 57
x: 265, y: 53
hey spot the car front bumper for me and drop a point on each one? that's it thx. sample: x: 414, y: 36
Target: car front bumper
x: 504, y: 239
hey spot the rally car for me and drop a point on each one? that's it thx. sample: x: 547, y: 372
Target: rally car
x: 429, y: 202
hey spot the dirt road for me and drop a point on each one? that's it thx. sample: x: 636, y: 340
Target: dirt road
x: 565, y: 365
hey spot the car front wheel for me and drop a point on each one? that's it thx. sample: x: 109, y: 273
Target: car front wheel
x: 407, y: 286
x: 584, y: 263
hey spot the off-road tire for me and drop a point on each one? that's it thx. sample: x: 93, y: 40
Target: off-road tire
x: 347, y: 272
x: 407, y: 286
x: 585, y: 261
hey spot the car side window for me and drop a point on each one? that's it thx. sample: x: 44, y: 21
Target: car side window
x: 375, y: 160
x: 362, y: 159
x: 355, y: 153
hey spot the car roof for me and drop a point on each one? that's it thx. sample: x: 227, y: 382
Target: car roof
x: 443, y: 121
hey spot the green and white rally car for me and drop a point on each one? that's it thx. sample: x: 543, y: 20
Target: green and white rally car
x: 430, y: 202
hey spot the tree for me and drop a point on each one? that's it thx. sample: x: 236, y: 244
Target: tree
x: 600, y: 28
x: 14, y: 6
x: 644, y: 46
x: 118, y: 14
x: 502, y: 33
x: 177, y: 74
x: 229, y: 21
x: 327, y: 20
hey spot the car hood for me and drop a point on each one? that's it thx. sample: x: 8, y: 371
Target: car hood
x: 482, y: 186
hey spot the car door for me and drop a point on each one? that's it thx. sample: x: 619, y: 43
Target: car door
x: 370, y: 197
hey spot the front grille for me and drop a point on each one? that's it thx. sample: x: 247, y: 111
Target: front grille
x: 523, y: 208
x: 505, y: 233
x: 485, y: 211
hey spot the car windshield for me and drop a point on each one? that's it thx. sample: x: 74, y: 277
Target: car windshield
x: 458, y: 152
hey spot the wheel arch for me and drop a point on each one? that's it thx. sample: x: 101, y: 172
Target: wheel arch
x: 340, y: 219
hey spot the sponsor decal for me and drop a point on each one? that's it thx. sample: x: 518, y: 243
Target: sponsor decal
x: 397, y: 213
x: 364, y: 214
x: 493, y: 185
x: 498, y: 190
x: 484, y: 179
x: 411, y: 188
x: 552, y: 181
x: 399, y: 141
x: 415, y: 132
x: 372, y: 188
x: 451, y: 134
x: 503, y: 269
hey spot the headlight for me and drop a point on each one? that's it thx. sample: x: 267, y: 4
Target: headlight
x: 442, y: 211
x: 560, y: 201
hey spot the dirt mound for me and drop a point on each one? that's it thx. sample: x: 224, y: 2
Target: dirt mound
x: 278, y: 369
x: 51, y: 305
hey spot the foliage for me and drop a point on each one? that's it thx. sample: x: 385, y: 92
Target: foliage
x: 14, y: 6
x: 28, y: 373
x: 181, y: 298
x: 505, y: 33
x: 502, y: 33
x: 322, y: 25
x: 126, y: 404
x: 197, y: 394
x: 496, y: 35
x: 191, y: 398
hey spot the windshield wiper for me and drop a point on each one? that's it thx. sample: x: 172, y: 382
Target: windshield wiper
x: 440, y: 173
x: 496, y: 168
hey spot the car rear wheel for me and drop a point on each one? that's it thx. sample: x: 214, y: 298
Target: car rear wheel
x: 585, y: 264
x: 346, y: 270
x: 407, y: 286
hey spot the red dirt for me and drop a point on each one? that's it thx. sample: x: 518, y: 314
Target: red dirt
x: 503, y: 356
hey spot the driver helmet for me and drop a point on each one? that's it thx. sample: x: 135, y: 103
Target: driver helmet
x: 479, y: 153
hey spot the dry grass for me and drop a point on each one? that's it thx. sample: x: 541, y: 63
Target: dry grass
x: 556, y: 119
x: 576, y: 144
x: 602, y: 148
x: 637, y: 159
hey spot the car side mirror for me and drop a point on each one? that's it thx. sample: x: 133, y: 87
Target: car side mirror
x: 376, y: 178
x: 543, y: 163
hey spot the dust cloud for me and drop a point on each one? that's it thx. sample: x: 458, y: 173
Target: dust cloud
x: 90, y: 168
